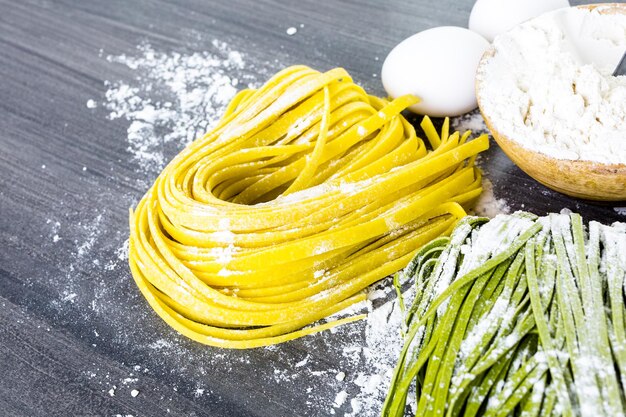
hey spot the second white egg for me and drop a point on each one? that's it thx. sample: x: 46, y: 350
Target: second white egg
x: 439, y: 66
x: 493, y: 17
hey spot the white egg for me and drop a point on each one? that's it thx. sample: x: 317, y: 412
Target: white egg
x: 439, y: 66
x: 493, y: 17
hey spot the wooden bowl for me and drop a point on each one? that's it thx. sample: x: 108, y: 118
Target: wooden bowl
x: 577, y: 178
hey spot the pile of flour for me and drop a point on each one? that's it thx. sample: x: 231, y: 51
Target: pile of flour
x: 550, y: 87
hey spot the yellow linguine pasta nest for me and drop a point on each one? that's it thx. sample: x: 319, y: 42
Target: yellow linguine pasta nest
x: 307, y: 191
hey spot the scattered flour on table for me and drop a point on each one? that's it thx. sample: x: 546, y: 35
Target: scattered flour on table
x: 620, y: 210
x: 174, y: 98
x: 369, y: 350
x: 161, y: 344
x: 86, y: 235
x: 68, y: 296
x: 93, y: 229
x: 379, y: 353
x: 471, y: 121
x: 121, y: 257
x: 488, y: 205
x: 340, y: 398
x: 54, y: 230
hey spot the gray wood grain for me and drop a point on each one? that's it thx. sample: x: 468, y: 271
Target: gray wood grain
x: 72, y: 325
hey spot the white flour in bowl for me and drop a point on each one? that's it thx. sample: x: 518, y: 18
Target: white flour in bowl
x: 550, y: 87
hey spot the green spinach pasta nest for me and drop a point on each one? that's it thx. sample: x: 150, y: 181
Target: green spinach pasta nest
x: 516, y: 316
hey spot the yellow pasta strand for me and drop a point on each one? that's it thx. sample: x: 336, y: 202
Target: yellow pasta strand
x: 306, y: 192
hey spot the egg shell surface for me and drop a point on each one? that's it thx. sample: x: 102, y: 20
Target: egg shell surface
x: 438, y: 65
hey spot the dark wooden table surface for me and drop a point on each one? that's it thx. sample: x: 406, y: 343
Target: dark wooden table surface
x: 76, y: 338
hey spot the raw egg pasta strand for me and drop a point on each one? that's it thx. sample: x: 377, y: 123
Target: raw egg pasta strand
x: 307, y: 191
